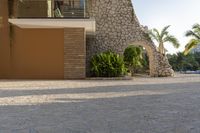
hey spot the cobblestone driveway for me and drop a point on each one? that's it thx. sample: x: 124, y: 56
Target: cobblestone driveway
x: 141, y: 105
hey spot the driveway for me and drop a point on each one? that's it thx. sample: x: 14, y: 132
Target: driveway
x: 141, y: 105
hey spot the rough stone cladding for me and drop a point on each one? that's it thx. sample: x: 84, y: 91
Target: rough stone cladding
x: 117, y: 27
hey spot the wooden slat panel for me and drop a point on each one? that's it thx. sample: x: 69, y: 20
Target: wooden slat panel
x: 75, y: 53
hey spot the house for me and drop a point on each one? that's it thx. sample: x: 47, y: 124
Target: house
x: 55, y: 39
x: 47, y: 39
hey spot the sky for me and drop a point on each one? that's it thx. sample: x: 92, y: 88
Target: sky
x: 180, y: 14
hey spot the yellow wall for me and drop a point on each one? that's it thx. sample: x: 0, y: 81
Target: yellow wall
x: 33, y: 53
x: 4, y: 41
x: 37, y: 53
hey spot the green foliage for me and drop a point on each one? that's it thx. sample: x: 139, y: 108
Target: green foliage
x: 163, y: 37
x: 133, y: 58
x: 180, y: 62
x: 195, y: 41
x: 145, y: 62
x: 108, y: 64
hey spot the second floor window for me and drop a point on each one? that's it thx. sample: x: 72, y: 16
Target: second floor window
x: 69, y: 8
x: 48, y: 8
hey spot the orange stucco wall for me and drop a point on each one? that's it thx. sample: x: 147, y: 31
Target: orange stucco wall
x: 4, y: 41
x: 37, y: 53
x: 44, y: 53
x: 32, y: 54
x: 40, y: 53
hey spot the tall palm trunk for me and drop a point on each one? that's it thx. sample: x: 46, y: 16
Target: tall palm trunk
x: 161, y: 48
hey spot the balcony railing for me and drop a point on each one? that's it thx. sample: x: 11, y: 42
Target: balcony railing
x: 48, y: 9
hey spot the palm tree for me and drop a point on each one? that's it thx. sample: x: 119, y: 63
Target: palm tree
x: 163, y: 37
x: 195, y: 41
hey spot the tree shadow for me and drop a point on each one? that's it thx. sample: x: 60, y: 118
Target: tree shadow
x: 176, y: 109
x: 97, y: 89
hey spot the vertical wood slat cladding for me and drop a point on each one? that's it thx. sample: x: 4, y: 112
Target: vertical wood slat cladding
x: 74, y: 53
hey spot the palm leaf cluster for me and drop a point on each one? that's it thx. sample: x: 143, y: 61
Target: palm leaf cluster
x: 195, y: 41
x: 108, y: 64
x: 162, y: 38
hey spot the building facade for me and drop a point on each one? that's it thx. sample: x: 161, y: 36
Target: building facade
x: 57, y: 38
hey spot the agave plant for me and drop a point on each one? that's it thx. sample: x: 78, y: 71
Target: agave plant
x: 107, y: 64
x: 163, y: 37
x: 195, y: 41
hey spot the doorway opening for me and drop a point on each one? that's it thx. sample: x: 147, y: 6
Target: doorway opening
x: 137, y: 60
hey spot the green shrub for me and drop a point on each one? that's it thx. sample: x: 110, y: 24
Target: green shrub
x: 133, y: 58
x: 181, y: 62
x: 108, y: 64
x: 145, y: 62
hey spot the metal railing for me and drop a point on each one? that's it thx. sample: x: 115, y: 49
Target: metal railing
x: 49, y: 9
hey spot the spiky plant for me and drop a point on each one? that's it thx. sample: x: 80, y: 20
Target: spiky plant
x: 162, y: 38
x: 195, y: 40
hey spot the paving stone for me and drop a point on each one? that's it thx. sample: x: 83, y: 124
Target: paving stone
x: 140, y: 105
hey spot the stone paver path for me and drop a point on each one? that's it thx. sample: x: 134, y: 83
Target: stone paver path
x: 141, y: 105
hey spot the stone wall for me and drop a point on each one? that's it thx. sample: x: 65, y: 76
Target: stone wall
x: 117, y: 27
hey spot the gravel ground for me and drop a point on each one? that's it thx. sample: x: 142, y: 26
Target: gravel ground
x: 140, y: 105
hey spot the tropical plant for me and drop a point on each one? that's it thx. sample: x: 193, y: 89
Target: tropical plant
x: 133, y: 58
x: 145, y: 62
x: 163, y: 37
x: 180, y: 62
x: 108, y: 64
x: 195, y: 41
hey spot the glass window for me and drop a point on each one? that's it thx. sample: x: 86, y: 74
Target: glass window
x: 69, y: 8
x: 49, y: 8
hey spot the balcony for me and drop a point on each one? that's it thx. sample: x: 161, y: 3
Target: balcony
x: 51, y: 14
x: 48, y: 8
x: 88, y: 24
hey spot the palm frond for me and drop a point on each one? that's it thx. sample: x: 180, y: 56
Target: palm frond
x: 196, y: 27
x: 164, y: 31
x: 191, y: 33
x: 192, y: 44
x: 156, y: 32
x: 153, y: 36
x: 173, y: 40
x: 163, y: 37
